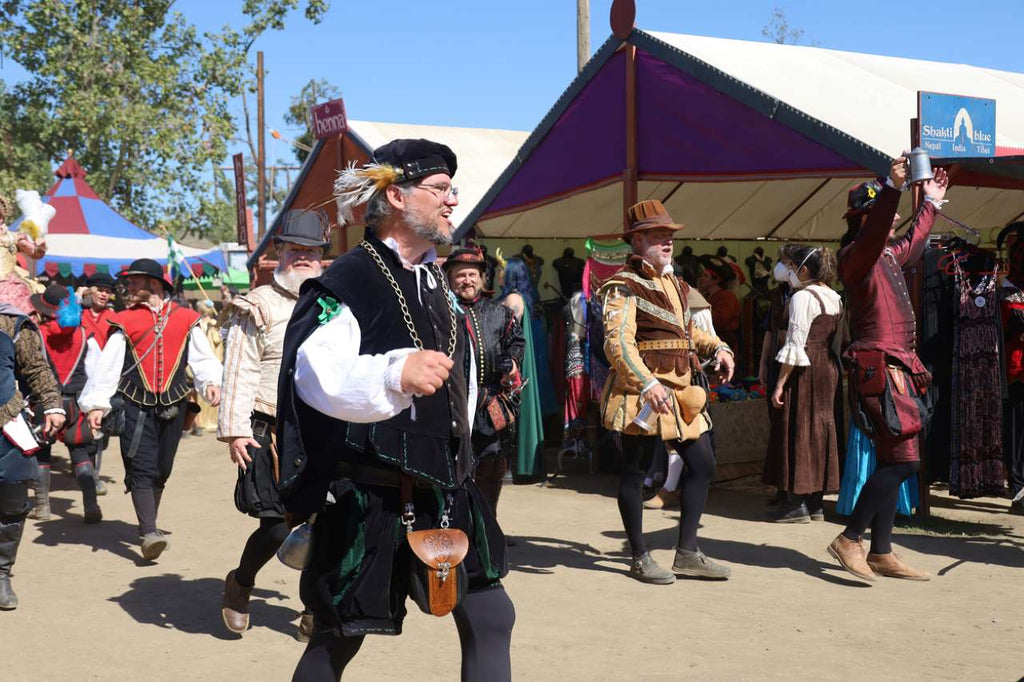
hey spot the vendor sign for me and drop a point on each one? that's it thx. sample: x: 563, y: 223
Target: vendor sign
x: 957, y: 126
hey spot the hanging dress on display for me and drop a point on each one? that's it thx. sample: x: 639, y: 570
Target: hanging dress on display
x: 976, y: 466
x: 530, y: 427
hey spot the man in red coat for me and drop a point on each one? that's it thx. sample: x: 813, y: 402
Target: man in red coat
x: 143, y: 363
x: 96, y: 321
x: 96, y: 318
x: 887, y: 378
x: 67, y: 344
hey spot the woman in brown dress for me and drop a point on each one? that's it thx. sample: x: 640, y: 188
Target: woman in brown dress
x: 803, y: 449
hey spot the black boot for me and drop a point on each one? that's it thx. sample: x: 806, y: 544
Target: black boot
x: 815, y: 506
x: 86, y: 475
x: 153, y: 541
x: 10, y: 538
x: 795, y: 512
x: 41, y: 512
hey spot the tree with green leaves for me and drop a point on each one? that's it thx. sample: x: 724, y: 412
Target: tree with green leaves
x: 779, y: 31
x: 135, y: 92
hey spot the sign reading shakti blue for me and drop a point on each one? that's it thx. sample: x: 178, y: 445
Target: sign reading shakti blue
x: 953, y: 126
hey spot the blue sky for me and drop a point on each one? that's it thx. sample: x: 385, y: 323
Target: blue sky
x: 502, y: 65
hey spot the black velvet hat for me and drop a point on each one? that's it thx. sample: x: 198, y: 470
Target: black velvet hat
x: 416, y: 158
x: 305, y: 228
x: 862, y: 197
x: 48, y: 301
x: 100, y: 279
x: 471, y: 255
x: 149, y: 268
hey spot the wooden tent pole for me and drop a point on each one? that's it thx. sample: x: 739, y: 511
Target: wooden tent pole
x: 629, y: 175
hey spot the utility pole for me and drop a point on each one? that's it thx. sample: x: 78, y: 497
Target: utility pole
x: 261, y: 183
x: 582, y: 33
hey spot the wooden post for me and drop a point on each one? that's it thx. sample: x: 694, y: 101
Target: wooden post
x: 582, y: 34
x: 261, y: 186
x: 629, y: 175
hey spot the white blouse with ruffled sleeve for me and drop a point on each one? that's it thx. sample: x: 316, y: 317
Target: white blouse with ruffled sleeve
x: 803, y: 308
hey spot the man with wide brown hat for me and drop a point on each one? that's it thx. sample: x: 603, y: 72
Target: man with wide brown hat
x: 652, y: 346
x: 248, y: 414
x: 497, y: 343
x: 143, y: 363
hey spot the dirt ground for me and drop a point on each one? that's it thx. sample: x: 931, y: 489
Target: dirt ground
x: 92, y: 610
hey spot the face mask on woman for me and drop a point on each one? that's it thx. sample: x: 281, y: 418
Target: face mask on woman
x: 781, y: 272
x: 794, y: 279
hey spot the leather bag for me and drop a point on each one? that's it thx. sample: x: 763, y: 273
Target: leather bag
x: 439, y: 578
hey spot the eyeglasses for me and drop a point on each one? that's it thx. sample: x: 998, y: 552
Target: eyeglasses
x: 444, y: 191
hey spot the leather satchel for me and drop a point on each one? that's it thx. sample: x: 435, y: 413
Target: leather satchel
x: 439, y: 579
x: 499, y: 413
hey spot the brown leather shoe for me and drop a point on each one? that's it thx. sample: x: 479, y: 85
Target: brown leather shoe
x: 850, y: 556
x: 891, y: 565
x: 663, y: 499
x: 235, y: 605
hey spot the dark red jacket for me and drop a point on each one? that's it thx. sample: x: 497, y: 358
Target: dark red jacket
x: 880, y: 313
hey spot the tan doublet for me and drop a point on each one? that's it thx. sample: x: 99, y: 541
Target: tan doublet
x: 252, y: 357
x: 648, y: 338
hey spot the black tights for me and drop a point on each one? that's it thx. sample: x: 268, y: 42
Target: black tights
x: 260, y: 548
x: 699, y: 460
x: 876, y: 505
x: 484, y: 620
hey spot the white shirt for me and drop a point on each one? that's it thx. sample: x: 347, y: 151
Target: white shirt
x: 103, y: 368
x: 334, y: 379
x: 803, y: 309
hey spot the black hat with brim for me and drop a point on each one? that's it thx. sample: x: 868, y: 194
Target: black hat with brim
x: 149, y: 268
x: 47, y: 302
x: 416, y: 158
x: 468, y: 256
x: 305, y: 228
x: 101, y: 279
x: 719, y: 266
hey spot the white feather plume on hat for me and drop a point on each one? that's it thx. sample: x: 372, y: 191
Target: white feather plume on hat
x: 355, y: 187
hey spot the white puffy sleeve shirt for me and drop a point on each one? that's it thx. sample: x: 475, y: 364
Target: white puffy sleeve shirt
x: 803, y: 309
x: 334, y: 379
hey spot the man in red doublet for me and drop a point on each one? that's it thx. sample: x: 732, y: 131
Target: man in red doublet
x: 67, y: 345
x: 143, y: 364
x: 96, y: 318
x: 887, y: 379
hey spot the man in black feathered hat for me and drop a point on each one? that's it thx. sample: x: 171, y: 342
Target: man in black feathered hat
x: 376, y: 408
x: 497, y: 344
x: 143, y: 363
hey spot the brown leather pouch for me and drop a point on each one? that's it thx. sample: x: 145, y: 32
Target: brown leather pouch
x: 870, y: 372
x: 497, y: 413
x: 439, y: 579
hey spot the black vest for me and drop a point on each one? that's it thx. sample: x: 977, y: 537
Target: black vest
x: 435, y: 445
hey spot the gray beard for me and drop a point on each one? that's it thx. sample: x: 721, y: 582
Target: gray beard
x: 293, y: 279
x: 429, y: 232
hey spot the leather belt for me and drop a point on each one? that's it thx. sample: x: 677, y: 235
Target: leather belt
x: 262, y: 425
x: 663, y: 344
x: 367, y: 474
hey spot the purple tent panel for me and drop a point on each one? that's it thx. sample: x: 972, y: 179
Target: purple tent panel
x: 584, y: 147
x: 689, y: 129
x: 686, y: 129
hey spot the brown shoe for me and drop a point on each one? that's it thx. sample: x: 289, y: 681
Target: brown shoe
x: 850, y: 556
x: 891, y: 565
x: 235, y: 605
x: 663, y: 499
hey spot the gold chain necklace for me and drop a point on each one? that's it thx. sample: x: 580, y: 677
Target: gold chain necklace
x: 406, y: 315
